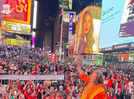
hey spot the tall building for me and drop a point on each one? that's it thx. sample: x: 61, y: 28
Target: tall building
x: 47, y: 13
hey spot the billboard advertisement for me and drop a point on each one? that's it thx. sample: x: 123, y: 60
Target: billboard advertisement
x: 66, y: 16
x: 13, y: 27
x: 16, y: 42
x: 17, y: 11
x: 67, y: 4
x: 1, y: 4
x: 93, y: 60
x: 123, y: 57
x: 88, y: 30
x: 99, y: 60
x: 127, y: 22
x: 131, y: 56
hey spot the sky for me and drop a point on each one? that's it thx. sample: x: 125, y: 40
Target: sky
x: 112, y: 11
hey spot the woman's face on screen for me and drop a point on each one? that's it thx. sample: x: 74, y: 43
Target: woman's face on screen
x: 87, y: 23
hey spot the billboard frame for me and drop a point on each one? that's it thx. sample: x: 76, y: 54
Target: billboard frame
x: 28, y: 15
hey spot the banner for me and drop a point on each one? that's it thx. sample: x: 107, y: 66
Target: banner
x: 17, y: 11
x: 88, y: 30
x: 31, y: 77
x: 24, y: 43
x: 127, y: 22
x: 14, y: 27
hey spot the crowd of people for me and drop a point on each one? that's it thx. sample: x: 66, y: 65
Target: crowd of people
x: 117, y: 80
x: 120, y: 82
x: 21, y: 61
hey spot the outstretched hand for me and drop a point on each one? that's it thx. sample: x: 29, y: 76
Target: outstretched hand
x: 78, y: 60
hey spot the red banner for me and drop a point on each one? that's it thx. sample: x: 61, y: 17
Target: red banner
x: 18, y: 11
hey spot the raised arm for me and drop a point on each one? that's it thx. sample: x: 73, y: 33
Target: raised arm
x: 83, y: 76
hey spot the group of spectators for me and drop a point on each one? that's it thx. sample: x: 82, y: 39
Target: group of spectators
x: 118, y: 80
x: 26, y: 61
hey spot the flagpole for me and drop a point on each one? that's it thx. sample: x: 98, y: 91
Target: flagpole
x: 61, y: 33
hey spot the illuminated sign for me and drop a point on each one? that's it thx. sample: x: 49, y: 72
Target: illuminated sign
x: 17, y: 11
x: 71, y: 17
x: 16, y: 42
x: 131, y: 56
x: 107, y: 49
x: 14, y: 27
x: 67, y: 4
x: 123, y: 58
x: 67, y: 17
x: 87, y: 30
x: 127, y: 23
x: 127, y: 45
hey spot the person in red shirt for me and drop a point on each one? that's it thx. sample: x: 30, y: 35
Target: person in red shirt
x: 58, y: 96
x: 109, y: 84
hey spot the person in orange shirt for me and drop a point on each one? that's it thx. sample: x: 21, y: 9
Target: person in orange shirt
x: 94, y: 88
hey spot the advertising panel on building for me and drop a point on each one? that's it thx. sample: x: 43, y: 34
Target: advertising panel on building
x: 123, y: 58
x: 66, y: 16
x: 17, y: 11
x: 66, y: 4
x: 122, y: 46
x: 131, y: 56
x: 13, y: 27
x: 24, y: 43
x: 127, y: 22
x: 1, y: 4
x: 92, y: 60
x: 87, y: 30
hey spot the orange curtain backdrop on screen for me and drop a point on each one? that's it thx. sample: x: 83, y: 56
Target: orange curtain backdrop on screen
x: 20, y: 11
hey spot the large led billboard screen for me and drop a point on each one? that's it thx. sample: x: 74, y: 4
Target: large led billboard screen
x: 127, y: 22
x: 123, y: 57
x: 17, y: 11
x: 13, y: 27
x: 21, y: 43
x: 87, y: 30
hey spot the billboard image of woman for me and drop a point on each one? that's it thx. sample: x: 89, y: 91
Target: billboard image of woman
x: 87, y: 39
